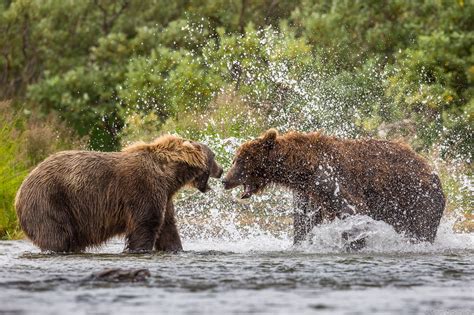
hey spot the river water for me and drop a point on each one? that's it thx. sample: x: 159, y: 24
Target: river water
x: 260, y: 273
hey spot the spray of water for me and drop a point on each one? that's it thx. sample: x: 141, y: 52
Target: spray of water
x: 292, y: 97
x: 220, y: 221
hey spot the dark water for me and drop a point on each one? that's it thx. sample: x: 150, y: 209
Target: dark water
x: 260, y: 274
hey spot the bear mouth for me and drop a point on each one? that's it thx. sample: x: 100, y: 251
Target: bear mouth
x: 230, y: 185
x: 248, y: 191
x: 201, y: 182
x: 204, y: 189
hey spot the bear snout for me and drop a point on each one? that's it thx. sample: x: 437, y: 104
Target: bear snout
x: 229, y: 184
x: 219, y: 172
x: 216, y: 170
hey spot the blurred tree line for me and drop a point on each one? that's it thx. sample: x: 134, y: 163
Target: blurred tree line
x: 99, y: 65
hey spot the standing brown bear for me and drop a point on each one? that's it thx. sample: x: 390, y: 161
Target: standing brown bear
x: 77, y: 199
x: 332, y: 177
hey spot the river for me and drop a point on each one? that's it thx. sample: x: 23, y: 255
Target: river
x: 261, y: 273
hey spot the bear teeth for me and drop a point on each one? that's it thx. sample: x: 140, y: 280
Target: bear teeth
x: 247, y: 192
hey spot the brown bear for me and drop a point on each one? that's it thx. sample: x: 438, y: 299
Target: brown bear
x: 78, y: 199
x: 333, y: 177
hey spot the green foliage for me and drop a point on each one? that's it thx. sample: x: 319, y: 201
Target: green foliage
x: 152, y: 83
x: 251, y: 62
x: 12, y: 173
x: 25, y: 140
x: 346, y: 33
x: 299, y: 64
x: 431, y: 80
x: 228, y: 117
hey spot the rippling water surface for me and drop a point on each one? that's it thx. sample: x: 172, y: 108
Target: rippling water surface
x: 258, y: 274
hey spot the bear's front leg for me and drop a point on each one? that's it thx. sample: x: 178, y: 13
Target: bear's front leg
x: 345, y: 205
x: 144, y: 226
x: 306, y: 215
x: 141, y: 240
x: 168, y: 238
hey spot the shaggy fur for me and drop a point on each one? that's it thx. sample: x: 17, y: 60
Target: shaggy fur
x: 332, y: 177
x: 77, y: 199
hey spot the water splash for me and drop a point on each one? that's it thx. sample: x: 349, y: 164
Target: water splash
x: 327, y: 238
x: 221, y: 221
x: 381, y: 238
x: 289, y: 96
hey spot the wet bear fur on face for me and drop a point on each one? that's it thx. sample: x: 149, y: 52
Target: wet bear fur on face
x: 78, y: 199
x: 332, y: 177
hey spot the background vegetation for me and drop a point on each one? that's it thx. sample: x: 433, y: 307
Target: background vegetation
x: 100, y: 73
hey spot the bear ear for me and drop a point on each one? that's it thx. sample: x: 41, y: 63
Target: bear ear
x: 188, y: 144
x: 193, y: 155
x: 269, y: 138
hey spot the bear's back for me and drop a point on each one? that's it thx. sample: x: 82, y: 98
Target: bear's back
x: 74, y: 170
x: 384, y: 157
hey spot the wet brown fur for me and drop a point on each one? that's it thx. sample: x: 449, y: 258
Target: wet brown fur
x: 334, y: 177
x: 78, y: 199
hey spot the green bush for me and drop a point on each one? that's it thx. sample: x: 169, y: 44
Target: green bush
x: 346, y: 66
x: 25, y: 140
x: 12, y: 172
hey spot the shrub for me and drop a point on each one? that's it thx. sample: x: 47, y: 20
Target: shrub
x: 25, y: 140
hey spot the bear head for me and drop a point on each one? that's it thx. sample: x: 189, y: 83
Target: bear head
x: 211, y: 169
x: 198, y: 160
x: 251, y: 165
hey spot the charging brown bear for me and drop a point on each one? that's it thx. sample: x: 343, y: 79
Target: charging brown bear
x: 77, y: 199
x: 333, y: 177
